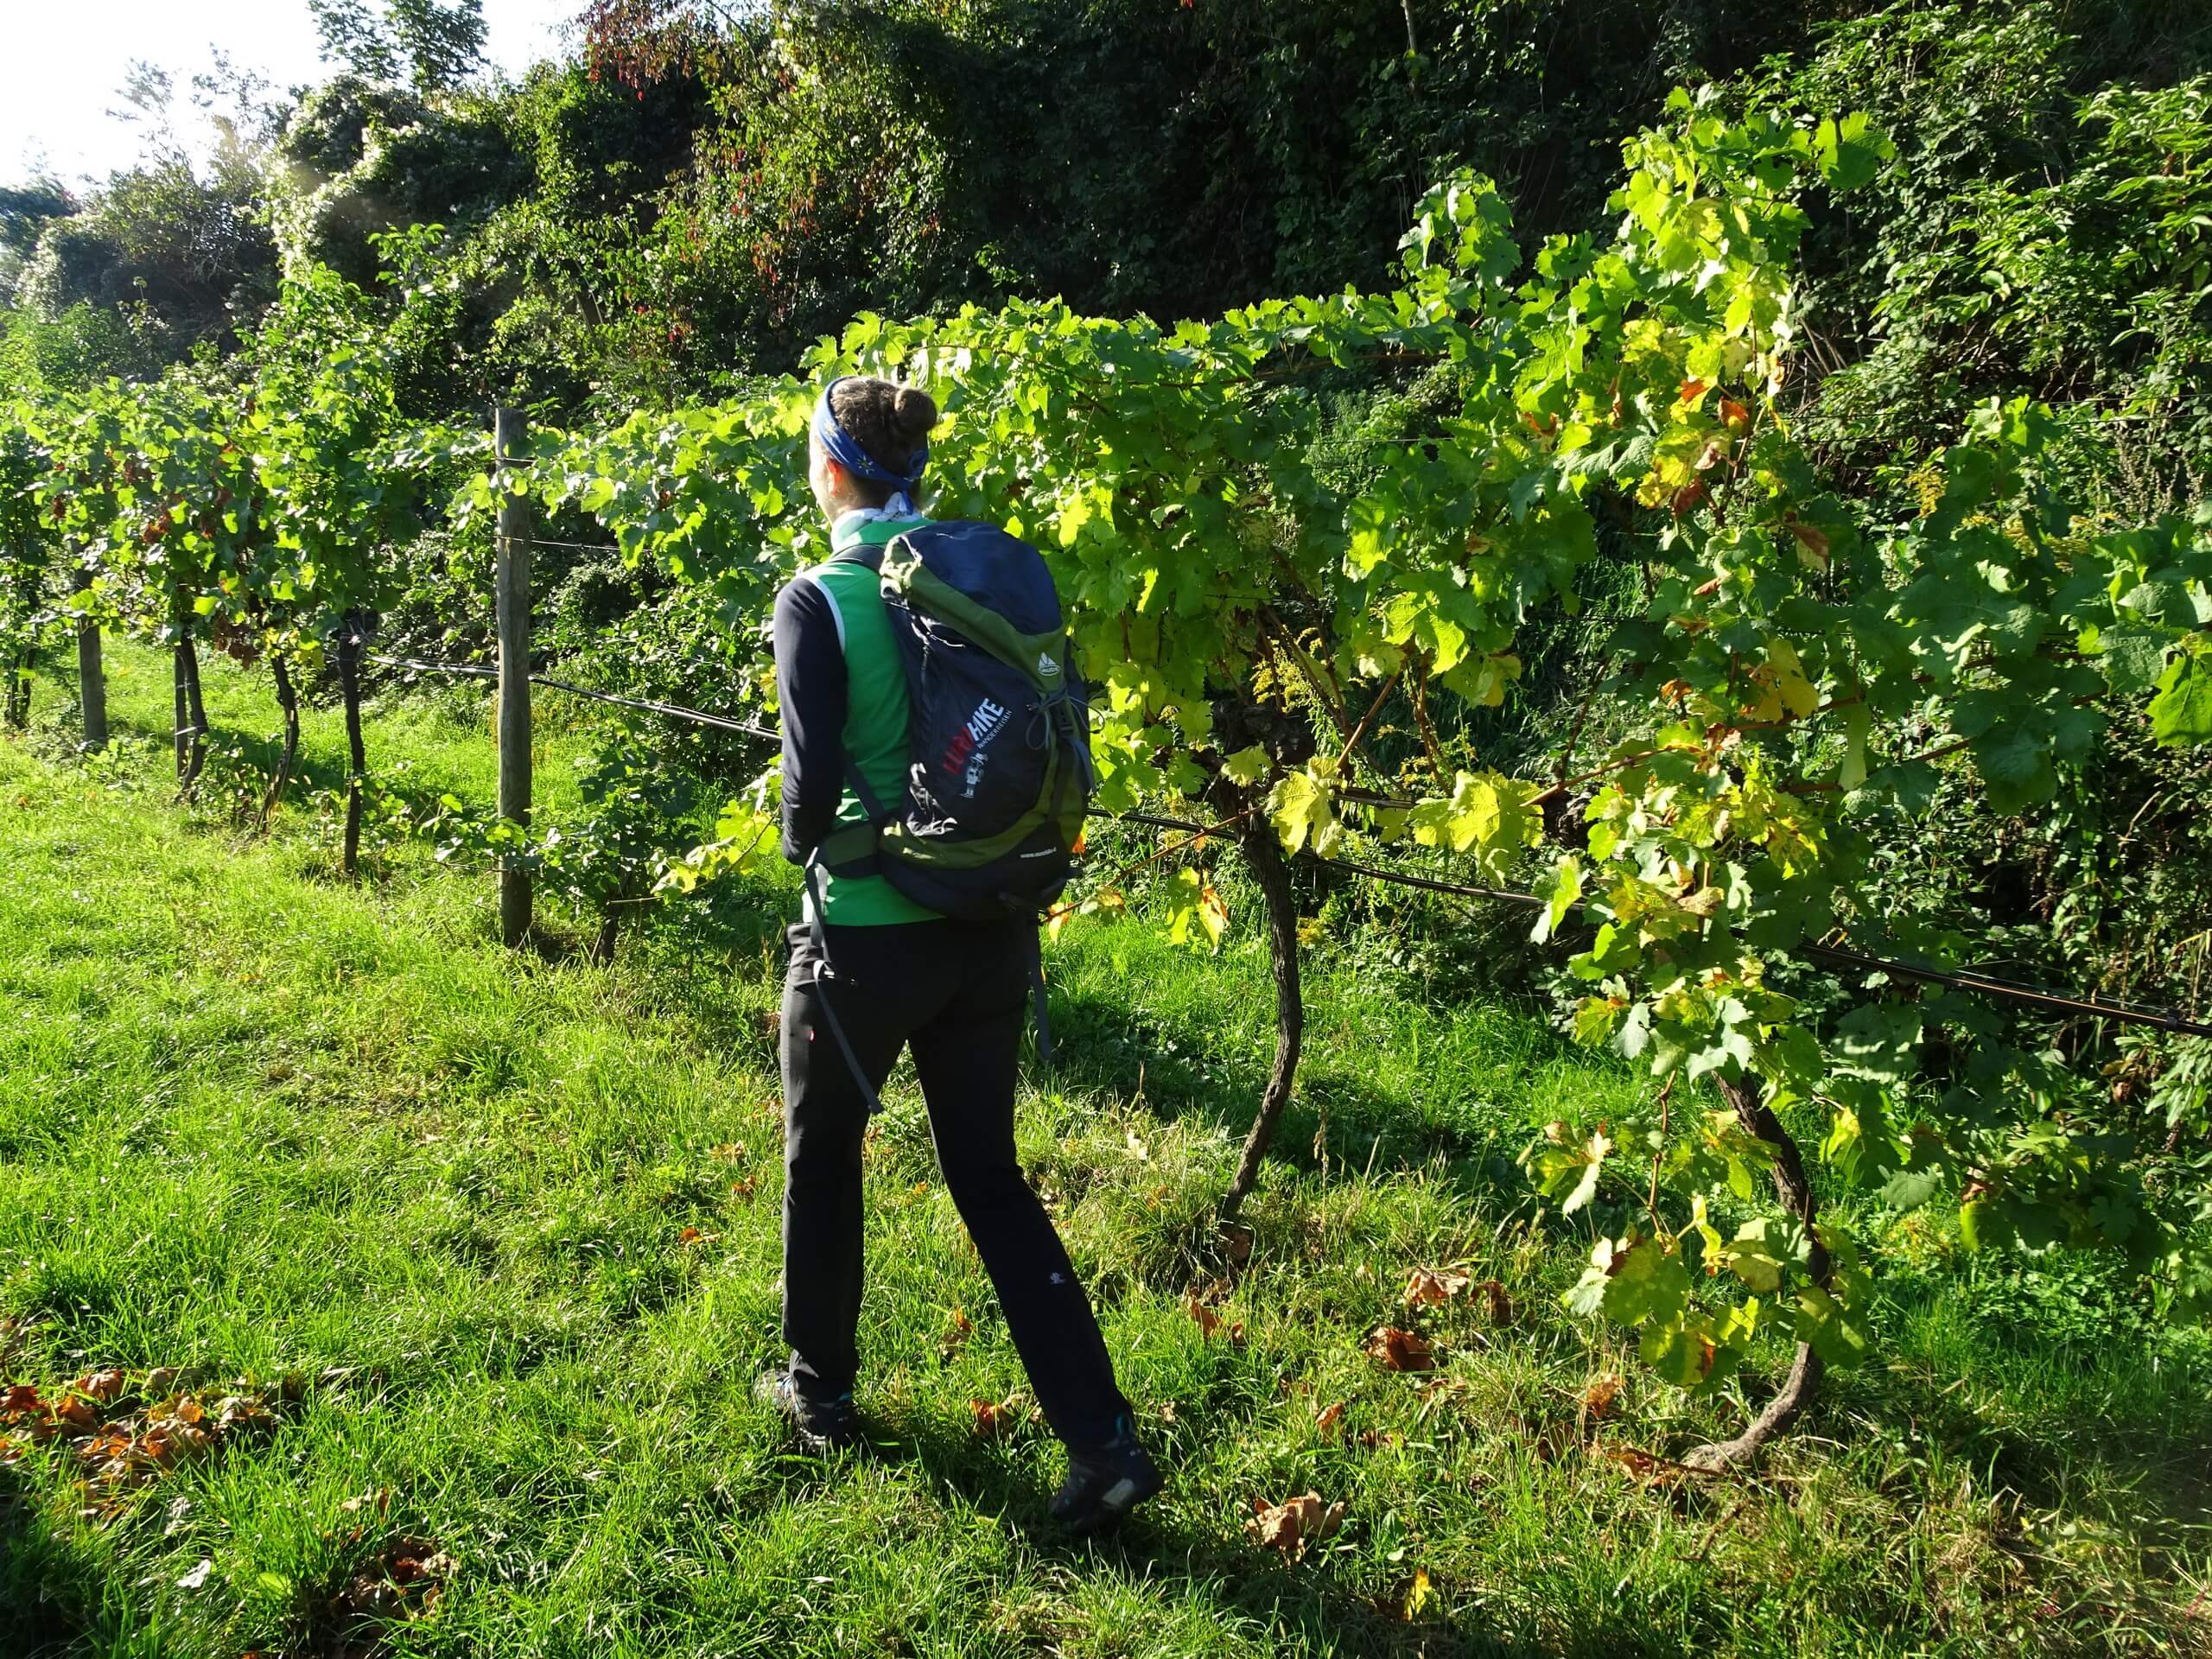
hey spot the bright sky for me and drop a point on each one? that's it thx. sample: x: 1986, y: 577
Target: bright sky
x: 66, y: 60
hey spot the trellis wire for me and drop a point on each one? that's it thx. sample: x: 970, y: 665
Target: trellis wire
x: 1835, y: 956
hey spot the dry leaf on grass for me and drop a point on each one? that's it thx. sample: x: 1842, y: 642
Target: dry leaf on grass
x: 955, y: 1336
x: 1294, y: 1527
x: 1430, y: 1287
x: 1237, y: 1243
x: 1209, y: 1322
x: 1396, y: 1350
x: 1597, y: 1398
x: 404, y: 1581
x: 997, y: 1419
x: 1499, y: 1304
x: 1418, y: 1594
x: 120, y: 1453
x: 1642, y: 1464
x: 691, y: 1236
x: 1328, y: 1416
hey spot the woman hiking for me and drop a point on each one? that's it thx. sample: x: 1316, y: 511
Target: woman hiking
x: 900, y: 975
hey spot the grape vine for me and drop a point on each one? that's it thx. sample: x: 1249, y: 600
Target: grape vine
x: 1246, y: 600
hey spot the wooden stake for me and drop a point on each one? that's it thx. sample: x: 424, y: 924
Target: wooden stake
x: 92, y: 675
x: 512, y: 596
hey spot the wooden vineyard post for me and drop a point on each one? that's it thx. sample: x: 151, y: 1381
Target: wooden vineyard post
x: 350, y: 628
x: 91, y: 675
x: 511, y: 598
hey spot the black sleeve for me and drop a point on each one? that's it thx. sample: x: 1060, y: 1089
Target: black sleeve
x: 810, y: 688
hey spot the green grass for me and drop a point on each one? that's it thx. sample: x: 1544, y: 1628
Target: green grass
x: 263, y: 1124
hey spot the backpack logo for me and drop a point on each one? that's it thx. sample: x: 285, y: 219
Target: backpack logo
x: 963, y: 756
x: 1046, y: 666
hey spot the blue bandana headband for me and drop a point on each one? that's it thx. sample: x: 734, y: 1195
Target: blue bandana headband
x: 844, y: 449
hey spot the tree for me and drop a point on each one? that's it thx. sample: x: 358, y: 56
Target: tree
x: 431, y: 46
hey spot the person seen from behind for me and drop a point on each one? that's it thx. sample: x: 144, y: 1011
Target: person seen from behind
x: 873, y: 970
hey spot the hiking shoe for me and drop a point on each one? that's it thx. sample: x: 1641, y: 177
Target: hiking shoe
x: 823, y: 1426
x: 1105, y: 1485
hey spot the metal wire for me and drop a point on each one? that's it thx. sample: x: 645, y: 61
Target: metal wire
x: 674, y: 711
x: 1835, y: 956
x: 582, y: 547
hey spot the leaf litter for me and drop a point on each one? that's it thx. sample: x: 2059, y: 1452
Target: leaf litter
x: 123, y: 1439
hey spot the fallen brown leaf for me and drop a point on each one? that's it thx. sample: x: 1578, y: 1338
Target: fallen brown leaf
x: 1328, y: 1416
x: 956, y: 1334
x: 1429, y: 1287
x: 404, y: 1581
x: 1642, y: 1464
x: 101, y: 1386
x: 1294, y: 1527
x: 1597, y: 1398
x: 1499, y: 1304
x: 993, y: 1419
x: 1237, y: 1243
x: 1396, y: 1349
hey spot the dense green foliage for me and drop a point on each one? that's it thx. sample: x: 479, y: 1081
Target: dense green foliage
x: 1765, y: 515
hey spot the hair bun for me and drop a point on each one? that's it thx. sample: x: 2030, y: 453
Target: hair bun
x: 914, y: 412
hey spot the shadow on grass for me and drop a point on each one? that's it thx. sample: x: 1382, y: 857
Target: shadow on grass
x: 1332, y: 1112
x: 1237, y: 1577
x: 45, y: 1591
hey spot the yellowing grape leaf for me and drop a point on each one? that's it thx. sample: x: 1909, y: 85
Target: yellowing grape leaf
x: 1303, y: 812
x: 1246, y: 766
x: 1419, y: 1595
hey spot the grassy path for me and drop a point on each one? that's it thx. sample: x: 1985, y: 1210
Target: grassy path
x: 486, y: 1248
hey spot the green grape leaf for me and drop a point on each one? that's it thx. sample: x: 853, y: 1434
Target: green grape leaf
x: 1646, y: 1280
x: 1752, y: 1257
x: 1834, y: 1333
x: 1566, y: 892
x: 2182, y: 712
x: 1684, y: 1355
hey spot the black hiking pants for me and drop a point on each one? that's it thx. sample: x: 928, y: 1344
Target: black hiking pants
x: 958, y: 992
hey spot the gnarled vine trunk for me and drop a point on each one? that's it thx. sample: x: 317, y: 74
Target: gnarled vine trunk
x: 1264, y: 855
x: 288, y: 699
x: 191, y: 726
x: 196, y: 711
x: 349, y: 687
x: 1799, y: 1389
x: 92, y: 675
x: 18, y: 714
